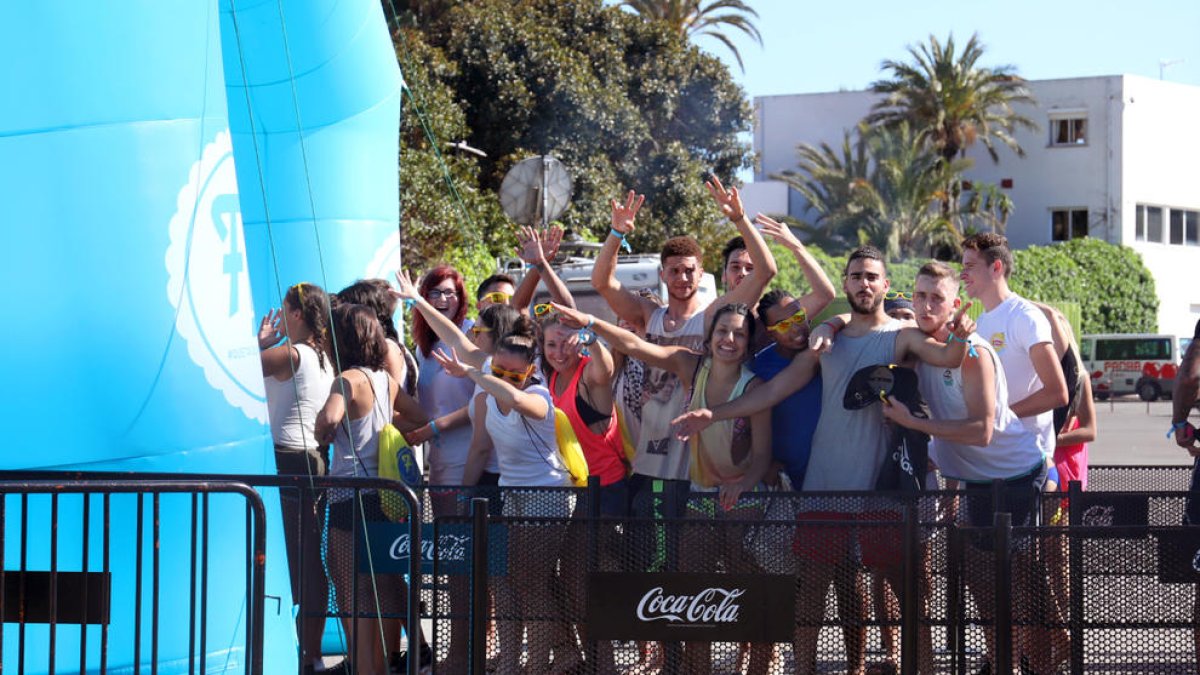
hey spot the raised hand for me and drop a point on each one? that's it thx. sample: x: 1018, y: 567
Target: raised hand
x: 570, y: 317
x: 450, y: 363
x: 405, y: 288
x: 551, y: 238
x: 624, y: 215
x: 729, y: 201
x: 530, y: 248
x: 691, y: 423
x: 960, y: 324
x: 782, y: 234
x: 270, y: 333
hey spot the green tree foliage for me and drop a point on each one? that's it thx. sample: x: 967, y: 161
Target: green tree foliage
x: 1110, y: 283
x: 623, y: 102
x: 441, y: 207
x: 950, y: 100
x: 693, y: 17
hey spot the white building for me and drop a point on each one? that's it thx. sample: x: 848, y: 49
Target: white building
x: 1115, y: 157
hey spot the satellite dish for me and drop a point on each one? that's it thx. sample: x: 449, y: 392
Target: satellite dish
x: 536, y: 191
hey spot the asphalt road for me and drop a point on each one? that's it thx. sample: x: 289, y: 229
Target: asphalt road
x: 1130, y: 431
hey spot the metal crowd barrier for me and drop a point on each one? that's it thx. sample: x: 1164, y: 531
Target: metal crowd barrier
x: 171, y: 580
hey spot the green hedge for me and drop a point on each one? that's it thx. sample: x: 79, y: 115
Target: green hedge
x: 1101, y: 287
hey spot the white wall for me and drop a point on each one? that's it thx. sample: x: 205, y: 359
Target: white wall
x: 1161, y: 146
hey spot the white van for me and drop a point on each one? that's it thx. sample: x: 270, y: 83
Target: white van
x: 638, y: 272
x: 1141, y: 363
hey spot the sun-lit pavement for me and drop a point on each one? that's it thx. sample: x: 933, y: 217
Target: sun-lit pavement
x: 1130, y: 431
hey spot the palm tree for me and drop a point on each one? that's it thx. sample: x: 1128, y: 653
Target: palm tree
x: 883, y: 187
x: 951, y: 101
x: 690, y: 18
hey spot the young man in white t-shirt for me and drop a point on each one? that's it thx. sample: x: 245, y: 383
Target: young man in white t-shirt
x: 1020, y: 334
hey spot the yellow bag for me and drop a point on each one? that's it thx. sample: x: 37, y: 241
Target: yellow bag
x: 626, y: 440
x: 396, y: 462
x: 569, y: 449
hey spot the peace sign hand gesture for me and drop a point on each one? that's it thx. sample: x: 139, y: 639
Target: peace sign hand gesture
x: 730, y: 201
x: 623, y: 216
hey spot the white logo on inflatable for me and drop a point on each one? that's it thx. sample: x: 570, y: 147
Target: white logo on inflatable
x: 208, y: 283
x: 386, y: 260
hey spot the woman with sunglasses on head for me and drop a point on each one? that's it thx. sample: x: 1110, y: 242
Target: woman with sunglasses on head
x: 359, y: 406
x: 297, y: 374
x: 515, y: 416
x: 727, y: 459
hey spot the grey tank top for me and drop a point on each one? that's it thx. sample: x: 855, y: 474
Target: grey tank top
x: 849, y: 445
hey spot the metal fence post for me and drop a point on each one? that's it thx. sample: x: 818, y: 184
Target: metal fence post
x: 479, y: 585
x: 956, y: 631
x: 1003, y: 624
x: 591, y: 648
x: 1075, y: 570
x: 910, y: 602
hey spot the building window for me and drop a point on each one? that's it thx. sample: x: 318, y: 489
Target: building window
x: 1176, y: 220
x: 1068, y: 131
x: 1154, y: 224
x: 1191, y: 228
x: 1068, y: 224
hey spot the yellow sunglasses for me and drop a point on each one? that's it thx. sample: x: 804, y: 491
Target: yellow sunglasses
x: 477, y: 329
x: 897, y: 295
x: 782, y: 327
x: 496, y: 297
x: 514, y: 377
x: 542, y: 310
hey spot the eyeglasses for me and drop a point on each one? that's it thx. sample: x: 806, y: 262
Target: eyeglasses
x: 782, y: 327
x: 496, y: 297
x: 542, y: 310
x: 514, y: 377
x: 477, y: 329
x: 897, y: 295
x: 437, y: 294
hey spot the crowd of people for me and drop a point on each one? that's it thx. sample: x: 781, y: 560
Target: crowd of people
x: 682, y: 409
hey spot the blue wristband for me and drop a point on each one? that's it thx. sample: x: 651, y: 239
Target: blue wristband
x: 1176, y: 426
x: 970, y: 347
x: 624, y: 244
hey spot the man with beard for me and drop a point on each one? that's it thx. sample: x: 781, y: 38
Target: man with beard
x: 848, y: 450
x: 976, y: 438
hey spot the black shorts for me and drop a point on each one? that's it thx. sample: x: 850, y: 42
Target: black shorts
x: 1019, y: 497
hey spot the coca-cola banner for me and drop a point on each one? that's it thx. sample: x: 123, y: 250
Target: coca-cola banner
x: 683, y: 606
x: 391, y: 547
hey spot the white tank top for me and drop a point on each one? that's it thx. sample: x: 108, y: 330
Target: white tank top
x: 293, y: 404
x: 1014, y: 449
x: 356, y: 444
x: 663, y: 398
x: 527, y: 448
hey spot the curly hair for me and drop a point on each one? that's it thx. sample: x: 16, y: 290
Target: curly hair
x: 680, y: 247
x: 313, y: 304
x: 991, y: 247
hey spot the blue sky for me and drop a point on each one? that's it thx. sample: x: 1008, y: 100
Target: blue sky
x: 828, y: 46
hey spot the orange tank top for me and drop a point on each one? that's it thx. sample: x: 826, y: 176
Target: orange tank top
x: 604, y: 452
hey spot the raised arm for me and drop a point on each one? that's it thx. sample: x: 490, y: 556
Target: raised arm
x: 627, y: 304
x: 790, y: 380
x: 979, y: 393
x: 678, y: 360
x: 507, y: 396
x: 538, y: 249
x: 443, y: 327
x: 822, y: 293
x: 279, y: 359
x: 765, y: 269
